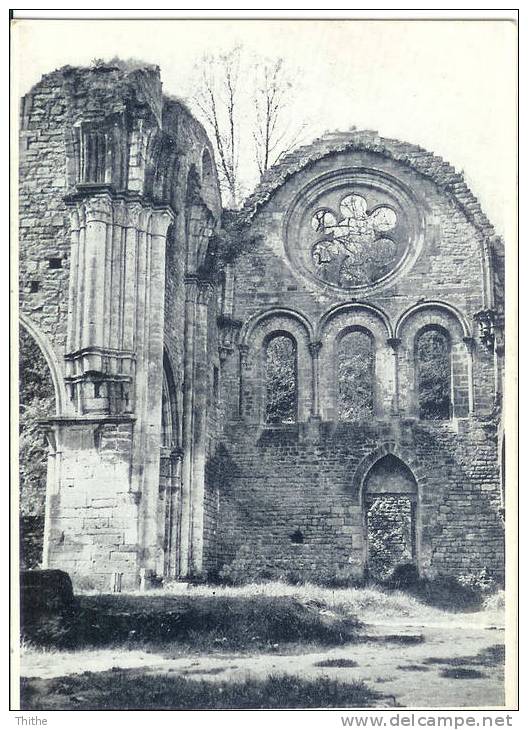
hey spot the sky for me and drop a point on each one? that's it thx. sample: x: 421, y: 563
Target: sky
x: 449, y: 86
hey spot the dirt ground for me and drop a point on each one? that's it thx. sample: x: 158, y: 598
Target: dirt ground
x: 457, y: 661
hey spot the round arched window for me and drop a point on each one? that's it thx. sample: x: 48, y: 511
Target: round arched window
x: 353, y: 232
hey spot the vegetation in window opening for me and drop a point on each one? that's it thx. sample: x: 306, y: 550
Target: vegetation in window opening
x: 390, y: 523
x: 434, y: 375
x: 281, y: 380
x: 355, y: 375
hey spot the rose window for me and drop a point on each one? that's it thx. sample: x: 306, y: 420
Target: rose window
x: 355, y: 245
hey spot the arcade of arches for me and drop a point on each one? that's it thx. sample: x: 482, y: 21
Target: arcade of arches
x: 320, y: 380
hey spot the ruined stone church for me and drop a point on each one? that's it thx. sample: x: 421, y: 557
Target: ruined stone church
x: 312, y: 384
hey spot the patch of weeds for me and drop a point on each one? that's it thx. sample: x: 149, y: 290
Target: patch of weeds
x: 132, y: 689
x: 412, y: 668
x: 461, y: 673
x: 338, y: 663
x: 448, y: 593
x: 212, y: 671
x: 491, y: 656
x: 404, y: 639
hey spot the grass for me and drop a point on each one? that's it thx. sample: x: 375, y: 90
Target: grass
x: 255, y: 618
x: 132, y: 690
x: 372, y: 601
x: 197, y: 622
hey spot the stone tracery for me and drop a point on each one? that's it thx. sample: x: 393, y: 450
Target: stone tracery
x: 355, y: 247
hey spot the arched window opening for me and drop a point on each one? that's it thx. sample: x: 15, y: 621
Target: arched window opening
x: 207, y: 169
x: 433, y: 364
x: 166, y: 420
x: 37, y: 401
x: 281, y: 379
x: 390, y: 517
x: 170, y: 474
x: 355, y: 375
x: 169, y: 413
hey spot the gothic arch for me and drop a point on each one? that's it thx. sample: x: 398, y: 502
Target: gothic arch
x: 391, y: 516
x: 170, y: 416
x: 61, y: 399
x: 387, y: 448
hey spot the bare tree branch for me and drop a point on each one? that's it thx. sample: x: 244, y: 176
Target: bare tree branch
x: 248, y: 120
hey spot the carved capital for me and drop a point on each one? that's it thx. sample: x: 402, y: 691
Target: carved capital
x: 244, y: 352
x: 224, y: 352
x: 315, y: 348
x: 177, y: 454
x: 191, y: 287
x: 51, y: 438
x: 133, y: 212
x: 205, y: 291
x: 486, y: 319
x: 228, y: 330
x: 394, y: 343
x: 160, y: 221
x: 120, y: 213
x: 98, y: 209
x: 77, y: 220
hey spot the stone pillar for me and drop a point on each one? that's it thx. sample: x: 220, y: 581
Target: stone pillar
x: 98, y: 216
x: 315, y: 348
x: 228, y: 294
x: 499, y: 359
x: 52, y: 489
x: 470, y: 344
x: 394, y: 343
x: 149, y: 421
x: 191, y: 295
x: 103, y: 489
x: 172, y: 514
x: 102, y: 302
x: 201, y: 385
x: 243, y: 357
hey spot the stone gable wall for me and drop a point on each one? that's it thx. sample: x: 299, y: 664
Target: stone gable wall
x: 276, y: 481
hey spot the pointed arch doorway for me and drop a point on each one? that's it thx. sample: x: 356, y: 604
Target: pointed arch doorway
x: 390, y: 503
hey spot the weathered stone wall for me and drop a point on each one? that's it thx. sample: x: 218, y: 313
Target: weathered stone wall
x: 120, y: 287
x: 43, y: 223
x: 109, y: 167
x: 274, y: 482
x: 307, y: 477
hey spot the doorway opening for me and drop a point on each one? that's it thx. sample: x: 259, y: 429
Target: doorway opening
x: 390, y: 506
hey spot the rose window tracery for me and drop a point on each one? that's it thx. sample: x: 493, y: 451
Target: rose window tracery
x: 355, y: 246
